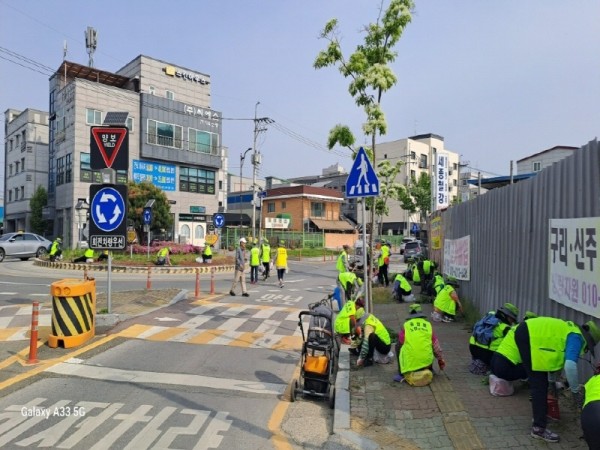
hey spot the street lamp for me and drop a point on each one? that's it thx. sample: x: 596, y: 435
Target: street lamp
x: 242, y: 158
x: 82, y: 208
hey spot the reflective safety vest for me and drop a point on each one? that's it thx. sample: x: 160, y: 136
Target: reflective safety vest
x: 254, y: 258
x: 342, y: 320
x: 266, y: 253
x: 417, y: 351
x: 508, y: 347
x: 54, y: 247
x: 385, y: 253
x: 207, y: 250
x: 592, y: 390
x: 281, y: 260
x: 348, y: 277
x: 340, y: 266
x: 444, y: 302
x: 380, y: 330
x: 438, y: 282
x: 427, y: 266
x: 548, y: 342
x: 404, y: 284
x: 497, y: 337
x: 89, y: 253
x: 163, y: 252
x: 416, y: 275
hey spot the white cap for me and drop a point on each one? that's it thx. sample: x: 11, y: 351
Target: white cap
x: 242, y: 240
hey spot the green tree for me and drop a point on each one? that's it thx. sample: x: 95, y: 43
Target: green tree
x: 416, y: 196
x: 36, y: 204
x: 139, y: 194
x: 369, y: 72
x: 388, y: 188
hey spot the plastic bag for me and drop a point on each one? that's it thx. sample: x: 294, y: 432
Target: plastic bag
x: 383, y: 359
x: 419, y: 377
x: 500, y: 387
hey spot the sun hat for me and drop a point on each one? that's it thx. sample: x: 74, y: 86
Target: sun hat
x: 242, y: 240
x: 591, y: 333
x: 510, y: 311
x: 529, y: 315
x: 415, y: 311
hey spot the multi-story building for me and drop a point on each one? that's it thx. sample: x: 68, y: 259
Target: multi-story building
x: 418, y: 153
x: 175, y: 140
x: 543, y: 159
x: 25, y: 164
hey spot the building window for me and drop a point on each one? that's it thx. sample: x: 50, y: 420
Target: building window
x: 413, y: 175
x: 24, y: 141
x: 22, y: 192
x: 199, y: 232
x: 164, y: 134
x: 317, y: 209
x: 10, y: 170
x: 413, y: 155
x: 170, y: 95
x: 202, y: 141
x: 130, y: 122
x: 10, y: 145
x: 68, y: 169
x: 22, y: 164
x: 271, y: 207
x: 537, y: 166
x: 200, y: 181
x: 423, y: 162
x: 283, y: 205
x: 10, y: 196
x: 93, y: 117
x: 16, y: 194
x: 60, y: 171
x: 151, y: 90
x: 17, y: 167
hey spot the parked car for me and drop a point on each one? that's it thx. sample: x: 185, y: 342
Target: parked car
x: 404, y: 242
x: 414, y: 249
x: 23, y: 245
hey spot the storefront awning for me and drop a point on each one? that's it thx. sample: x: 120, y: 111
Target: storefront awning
x: 332, y: 225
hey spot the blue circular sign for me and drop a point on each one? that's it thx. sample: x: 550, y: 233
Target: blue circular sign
x: 147, y: 217
x: 108, y: 209
x: 219, y: 220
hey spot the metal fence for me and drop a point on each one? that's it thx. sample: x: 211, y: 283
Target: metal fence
x: 293, y: 239
x: 509, y: 233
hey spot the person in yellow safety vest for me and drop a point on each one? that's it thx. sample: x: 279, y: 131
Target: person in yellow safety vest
x: 426, y: 269
x: 547, y: 344
x: 342, y: 265
x: 254, y: 263
x: 417, y: 345
x: 590, y: 415
x: 281, y: 262
x: 345, y: 320
x: 103, y: 255
x: 349, y: 283
x: 207, y: 254
x: 265, y: 257
x: 163, y: 257
x: 374, y: 336
x: 88, y: 256
x: 506, y: 362
x: 438, y: 282
x: 402, y: 288
x: 383, y: 261
x: 55, y: 249
x: 504, y: 318
x: 446, y: 304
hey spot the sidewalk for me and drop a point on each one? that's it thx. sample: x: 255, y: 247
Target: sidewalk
x: 455, y: 411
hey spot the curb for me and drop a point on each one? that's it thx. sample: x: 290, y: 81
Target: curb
x: 132, y: 269
x: 341, y: 415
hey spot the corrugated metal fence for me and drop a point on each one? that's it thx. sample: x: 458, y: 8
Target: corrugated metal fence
x: 509, y: 229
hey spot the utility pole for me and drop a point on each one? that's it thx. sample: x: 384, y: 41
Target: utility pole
x: 256, y: 160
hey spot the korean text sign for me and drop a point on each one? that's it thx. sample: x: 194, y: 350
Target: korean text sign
x: 574, y: 273
x: 441, y: 181
x: 457, y: 258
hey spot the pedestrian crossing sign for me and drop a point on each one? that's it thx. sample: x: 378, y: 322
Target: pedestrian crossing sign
x: 362, y: 180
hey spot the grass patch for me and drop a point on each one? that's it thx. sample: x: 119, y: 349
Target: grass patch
x: 470, y: 311
x: 382, y: 296
x: 103, y: 311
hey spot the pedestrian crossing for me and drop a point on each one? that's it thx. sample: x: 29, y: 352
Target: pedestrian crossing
x: 15, y: 321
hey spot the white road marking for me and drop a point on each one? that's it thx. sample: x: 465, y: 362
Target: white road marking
x: 167, y: 319
x: 143, y: 377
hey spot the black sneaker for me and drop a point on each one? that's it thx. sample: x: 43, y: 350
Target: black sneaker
x: 368, y: 362
x: 544, y: 434
x: 232, y: 293
x: 245, y: 294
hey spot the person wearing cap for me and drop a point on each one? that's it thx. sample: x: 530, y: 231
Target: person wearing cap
x: 590, y: 414
x: 505, y: 316
x: 55, y: 249
x: 446, y: 303
x: 545, y: 345
x: 345, y: 321
x: 374, y: 336
x: 426, y: 270
x: 281, y: 262
x: 265, y: 257
x: 240, y: 266
x: 207, y: 254
x: 163, y: 257
x: 383, y: 261
x: 402, y: 288
x: 342, y: 265
x: 349, y: 283
x: 417, y: 345
x: 254, y: 263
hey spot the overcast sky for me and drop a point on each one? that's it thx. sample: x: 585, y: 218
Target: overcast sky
x: 498, y: 80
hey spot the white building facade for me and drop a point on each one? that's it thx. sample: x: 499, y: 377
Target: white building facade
x: 174, y: 141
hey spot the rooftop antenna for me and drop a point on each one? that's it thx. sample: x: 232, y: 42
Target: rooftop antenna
x: 91, y: 42
x: 65, y: 49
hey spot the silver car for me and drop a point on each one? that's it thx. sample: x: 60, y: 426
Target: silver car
x: 23, y: 245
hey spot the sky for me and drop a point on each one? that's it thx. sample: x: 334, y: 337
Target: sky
x: 498, y: 80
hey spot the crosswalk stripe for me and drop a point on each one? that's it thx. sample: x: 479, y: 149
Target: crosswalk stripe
x: 288, y: 343
x: 166, y: 334
x: 196, y: 321
x: 151, y: 331
x: 246, y: 339
x: 205, y: 337
x: 267, y: 326
x: 134, y: 331
x: 226, y: 338
x: 232, y: 324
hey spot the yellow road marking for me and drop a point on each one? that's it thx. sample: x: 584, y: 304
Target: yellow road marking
x: 207, y: 336
x: 5, y: 333
x: 278, y: 438
x: 288, y: 343
x: 134, y: 331
x: 166, y: 334
x: 246, y: 339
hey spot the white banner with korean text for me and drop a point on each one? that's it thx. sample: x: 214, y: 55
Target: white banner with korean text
x: 441, y: 181
x: 574, y: 273
x: 457, y: 258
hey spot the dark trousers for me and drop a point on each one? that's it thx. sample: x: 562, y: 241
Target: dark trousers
x: 376, y: 343
x: 483, y: 354
x: 503, y: 368
x: 382, y: 275
x: 538, y: 381
x: 590, y: 423
x: 253, y: 274
x: 267, y: 266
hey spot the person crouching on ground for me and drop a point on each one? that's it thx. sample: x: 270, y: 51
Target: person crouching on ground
x: 402, y: 289
x: 487, y: 335
x: 590, y: 415
x: 55, y: 249
x: 345, y: 320
x: 163, y: 257
x: 417, y: 346
x: 446, y: 304
x: 375, y: 336
x: 88, y: 256
x: 207, y: 254
x: 349, y: 283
